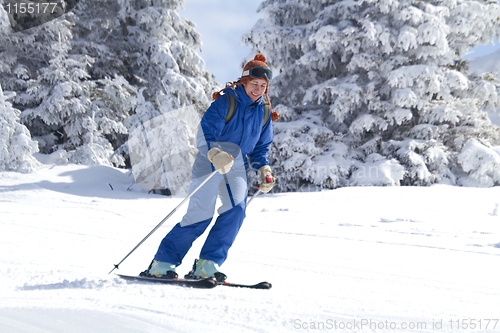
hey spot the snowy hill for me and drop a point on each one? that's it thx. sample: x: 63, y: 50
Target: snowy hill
x: 361, y: 259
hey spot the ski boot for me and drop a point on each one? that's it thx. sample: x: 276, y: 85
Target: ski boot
x: 203, y: 269
x: 160, y: 269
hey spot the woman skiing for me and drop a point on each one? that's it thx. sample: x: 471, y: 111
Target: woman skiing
x: 234, y: 134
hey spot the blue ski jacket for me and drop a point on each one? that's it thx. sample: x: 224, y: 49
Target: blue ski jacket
x: 245, y: 130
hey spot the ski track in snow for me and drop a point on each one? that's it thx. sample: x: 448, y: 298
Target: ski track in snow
x: 379, y: 255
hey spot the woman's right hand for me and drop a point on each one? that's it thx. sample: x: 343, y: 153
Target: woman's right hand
x: 221, y: 160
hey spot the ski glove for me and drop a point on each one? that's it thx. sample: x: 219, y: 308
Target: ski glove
x: 221, y: 160
x: 265, y: 174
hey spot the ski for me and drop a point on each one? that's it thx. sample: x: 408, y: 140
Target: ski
x: 203, y: 283
x: 261, y: 285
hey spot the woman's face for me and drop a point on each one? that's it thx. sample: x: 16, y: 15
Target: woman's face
x: 255, y: 88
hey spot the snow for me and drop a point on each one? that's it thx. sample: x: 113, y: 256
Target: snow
x: 363, y: 258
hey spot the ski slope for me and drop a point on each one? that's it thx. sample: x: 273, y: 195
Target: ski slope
x: 360, y: 259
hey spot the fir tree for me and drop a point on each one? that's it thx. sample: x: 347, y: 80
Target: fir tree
x: 80, y: 78
x: 162, y: 54
x: 152, y: 50
x: 376, y: 92
x: 24, y: 53
x: 172, y: 83
x: 53, y: 90
x: 16, y: 146
x: 61, y: 95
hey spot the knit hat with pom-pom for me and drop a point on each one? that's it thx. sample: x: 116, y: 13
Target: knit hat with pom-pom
x: 259, y: 60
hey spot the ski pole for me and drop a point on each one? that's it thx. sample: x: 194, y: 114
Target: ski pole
x: 163, y: 221
x: 269, y: 179
x: 253, y: 197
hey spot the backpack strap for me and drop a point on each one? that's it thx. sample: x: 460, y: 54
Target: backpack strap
x: 231, y: 108
x: 266, y: 113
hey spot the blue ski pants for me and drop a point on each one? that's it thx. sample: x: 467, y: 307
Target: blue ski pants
x: 232, y: 188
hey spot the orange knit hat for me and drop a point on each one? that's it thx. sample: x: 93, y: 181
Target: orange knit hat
x: 259, y: 60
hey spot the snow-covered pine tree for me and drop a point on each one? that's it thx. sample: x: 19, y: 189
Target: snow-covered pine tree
x: 23, y: 56
x: 67, y: 108
x: 161, y: 61
x: 376, y: 92
x: 162, y: 54
x: 24, y: 53
x: 153, y: 49
x: 16, y: 146
x: 108, y: 51
x: 53, y: 90
x: 64, y: 117
x: 97, y: 33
